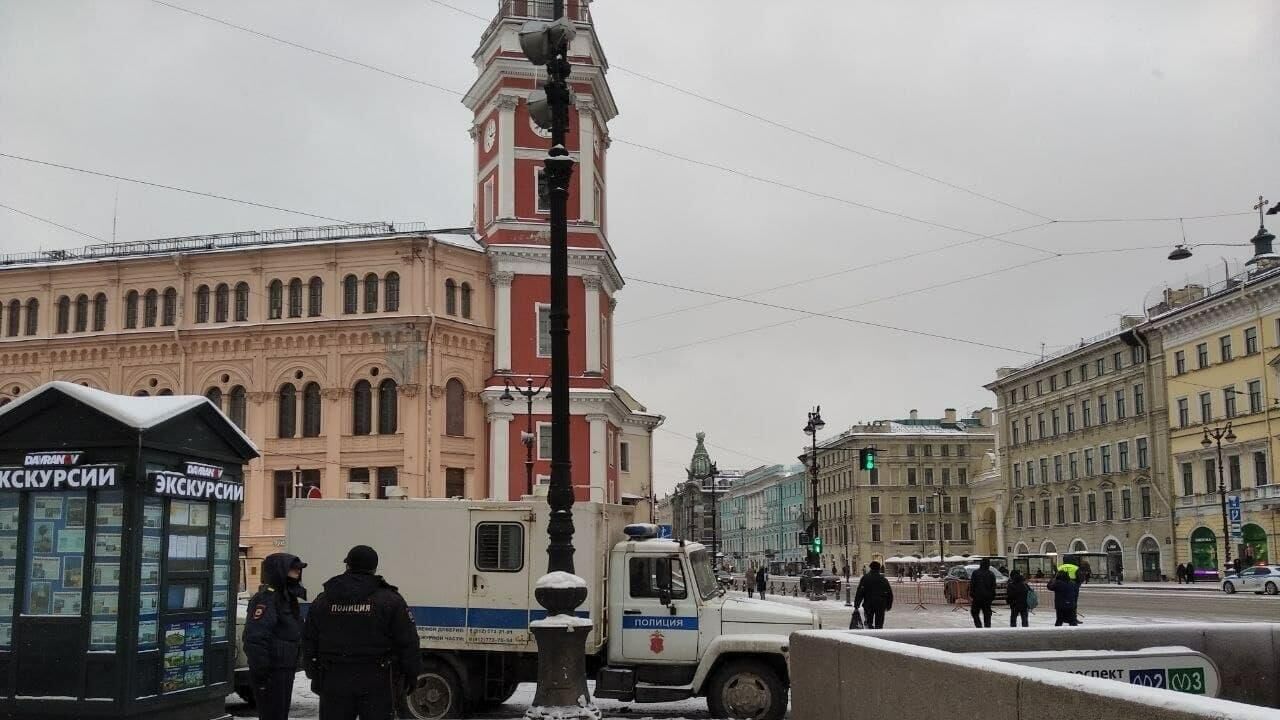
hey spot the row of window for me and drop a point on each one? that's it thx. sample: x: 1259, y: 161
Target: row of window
x: 1032, y: 518
x: 913, y: 532
x: 1225, y: 352
x: 1051, y: 424
x: 836, y: 511
x: 835, y: 457
x: 1072, y: 470
x: 837, y: 482
x: 1230, y: 407
x: 1231, y: 479
x: 1069, y: 377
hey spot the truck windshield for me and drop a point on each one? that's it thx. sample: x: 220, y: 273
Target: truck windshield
x: 703, y: 575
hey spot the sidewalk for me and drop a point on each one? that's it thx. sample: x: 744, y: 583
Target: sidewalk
x: 1205, y: 586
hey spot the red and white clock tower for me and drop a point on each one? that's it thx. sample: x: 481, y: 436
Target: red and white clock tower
x: 611, y: 432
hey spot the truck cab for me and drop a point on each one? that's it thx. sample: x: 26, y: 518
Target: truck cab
x: 674, y: 633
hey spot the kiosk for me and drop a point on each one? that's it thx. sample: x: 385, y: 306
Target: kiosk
x: 119, y: 523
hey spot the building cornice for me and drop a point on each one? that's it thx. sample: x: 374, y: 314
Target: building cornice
x: 1217, y: 313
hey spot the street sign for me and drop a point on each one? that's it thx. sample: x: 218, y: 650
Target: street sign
x: 664, y: 532
x: 1235, y: 517
x: 1168, y: 668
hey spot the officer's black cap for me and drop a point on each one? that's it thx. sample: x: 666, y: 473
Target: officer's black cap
x: 362, y: 558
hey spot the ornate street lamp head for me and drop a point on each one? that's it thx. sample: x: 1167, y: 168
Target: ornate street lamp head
x: 1206, y: 442
x: 507, y: 398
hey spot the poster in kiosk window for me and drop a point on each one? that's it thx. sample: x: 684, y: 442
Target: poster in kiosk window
x: 117, y: 515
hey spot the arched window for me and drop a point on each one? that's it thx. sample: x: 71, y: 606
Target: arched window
x: 171, y: 308
x: 315, y: 297
x: 275, y: 300
x: 15, y: 318
x: 361, y: 408
x: 236, y: 408
x: 82, y: 313
x: 295, y: 298
x: 455, y: 408
x: 215, y: 396
x: 288, y: 411
x: 202, y: 304
x: 450, y: 297
x: 466, y: 300
x: 371, y: 293
x: 165, y: 392
x: 142, y: 393
x: 221, y: 302
x: 150, y: 308
x: 311, y: 410
x: 131, y: 310
x: 387, y: 410
x: 33, y: 316
x: 99, y: 312
x: 392, y: 291
x: 64, y: 314
x: 350, y: 294
x: 242, y: 302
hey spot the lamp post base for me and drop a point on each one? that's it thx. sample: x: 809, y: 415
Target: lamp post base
x: 562, y: 692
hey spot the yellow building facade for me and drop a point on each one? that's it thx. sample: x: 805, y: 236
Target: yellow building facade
x: 1218, y: 353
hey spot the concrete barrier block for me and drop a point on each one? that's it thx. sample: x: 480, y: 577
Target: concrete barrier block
x: 880, y: 684
x: 815, y: 676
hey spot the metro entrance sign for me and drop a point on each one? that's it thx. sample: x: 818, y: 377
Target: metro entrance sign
x: 1235, y: 517
x: 1168, y: 668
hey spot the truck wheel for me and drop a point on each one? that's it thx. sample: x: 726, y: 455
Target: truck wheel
x: 439, y: 697
x: 747, y: 690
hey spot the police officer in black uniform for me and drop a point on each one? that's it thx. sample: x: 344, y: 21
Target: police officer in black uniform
x: 360, y: 644
x: 273, y: 634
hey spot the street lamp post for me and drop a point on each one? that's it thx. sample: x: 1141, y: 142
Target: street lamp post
x: 1211, y: 438
x: 527, y: 437
x: 938, y: 494
x: 844, y: 532
x: 811, y: 429
x: 562, y: 674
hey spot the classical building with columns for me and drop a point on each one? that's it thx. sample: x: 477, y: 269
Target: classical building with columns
x: 368, y: 358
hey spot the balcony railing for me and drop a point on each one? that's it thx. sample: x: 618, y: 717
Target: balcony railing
x: 576, y: 10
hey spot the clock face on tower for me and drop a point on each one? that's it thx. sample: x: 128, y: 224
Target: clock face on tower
x: 490, y: 134
x: 539, y: 131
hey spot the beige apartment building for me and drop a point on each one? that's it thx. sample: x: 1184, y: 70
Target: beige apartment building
x: 1084, y: 457
x: 349, y: 355
x: 918, y: 493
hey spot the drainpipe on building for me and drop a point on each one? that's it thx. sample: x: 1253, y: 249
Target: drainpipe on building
x: 1170, y: 499
x: 179, y: 314
x: 431, y: 334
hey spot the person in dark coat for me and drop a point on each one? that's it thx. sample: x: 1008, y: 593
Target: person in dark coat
x: 762, y: 578
x: 1085, y: 571
x: 273, y: 633
x: 875, y: 596
x: 1017, y: 593
x: 1066, y: 597
x: 360, y: 644
x: 982, y: 592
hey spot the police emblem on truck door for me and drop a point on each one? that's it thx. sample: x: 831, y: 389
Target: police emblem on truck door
x: 655, y: 643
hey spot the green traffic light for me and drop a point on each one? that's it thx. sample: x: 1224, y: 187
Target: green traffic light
x: 817, y: 545
x: 868, y: 459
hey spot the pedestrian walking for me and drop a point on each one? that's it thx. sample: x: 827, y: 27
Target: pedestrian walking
x: 762, y: 578
x: 1066, y: 596
x: 1191, y: 574
x: 273, y: 633
x: 1085, y: 571
x: 1181, y: 572
x: 982, y: 592
x: 874, y: 595
x: 360, y: 644
x: 749, y: 579
x: 1017, y: 593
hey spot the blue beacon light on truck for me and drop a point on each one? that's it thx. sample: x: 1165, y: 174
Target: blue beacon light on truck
x: 640, y: 531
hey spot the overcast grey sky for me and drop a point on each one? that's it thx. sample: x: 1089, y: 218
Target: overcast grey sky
x: 1069, y: 110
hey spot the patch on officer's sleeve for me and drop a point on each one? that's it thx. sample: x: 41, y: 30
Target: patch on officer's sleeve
x: 258, y: 611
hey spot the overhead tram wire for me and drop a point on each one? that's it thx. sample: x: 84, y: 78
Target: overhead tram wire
x: 788, y: 128
x: 51, y: 222
x: 175, y: 188
x: 756, y: 178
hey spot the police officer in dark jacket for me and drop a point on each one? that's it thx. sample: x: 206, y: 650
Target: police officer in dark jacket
x: 982, y: 592
x: 360, y: 643
x: 273, y: 634
x: 875, y: 595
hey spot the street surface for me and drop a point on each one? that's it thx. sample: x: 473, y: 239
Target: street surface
x: 1099, y: 604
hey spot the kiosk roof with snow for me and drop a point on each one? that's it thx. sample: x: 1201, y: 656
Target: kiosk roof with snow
x: 119, y: 520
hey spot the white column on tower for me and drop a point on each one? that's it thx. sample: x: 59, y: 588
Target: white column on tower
x: 599, y: 457
x: 586, y: 165
x: 500, y: 455
x: 593, y: 285
x: 502, y: 321
x: 506, y: 105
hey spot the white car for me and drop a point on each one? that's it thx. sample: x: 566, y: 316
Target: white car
x: 1258, y: 579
